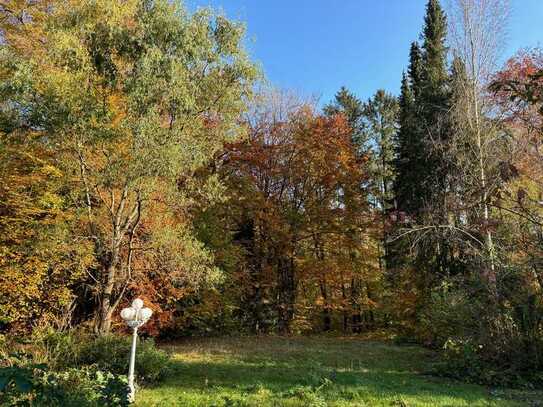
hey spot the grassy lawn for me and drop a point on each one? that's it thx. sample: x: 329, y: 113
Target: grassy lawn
x: 312, y: 371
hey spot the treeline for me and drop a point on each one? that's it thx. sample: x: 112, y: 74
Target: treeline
x: 140, y: 158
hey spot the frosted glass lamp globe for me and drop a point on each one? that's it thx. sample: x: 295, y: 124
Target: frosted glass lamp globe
x: 137, y: 304
x: 145, y: 314
x: 128, y: 314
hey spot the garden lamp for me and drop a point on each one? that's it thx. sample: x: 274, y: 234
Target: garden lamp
x: 134, y: 316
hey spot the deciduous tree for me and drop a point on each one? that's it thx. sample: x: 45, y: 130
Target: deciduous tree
x: 133, y: 97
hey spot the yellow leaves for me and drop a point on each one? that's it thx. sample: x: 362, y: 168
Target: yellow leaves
x: 51, y: 201
x: 127, y: 108
x: 113, y: 13
x: 117, y: 107
x: 38, y: 259
x: 22, y: 23
x: 49, y: 170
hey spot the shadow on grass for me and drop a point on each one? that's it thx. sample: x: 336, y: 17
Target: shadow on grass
x: 307, y: 371
x: 284, y: 379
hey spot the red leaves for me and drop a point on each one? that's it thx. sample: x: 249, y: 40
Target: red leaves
x: 520, y: 85
x: 301, y: 163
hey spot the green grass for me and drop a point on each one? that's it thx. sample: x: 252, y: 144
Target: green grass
x: 311, y: 371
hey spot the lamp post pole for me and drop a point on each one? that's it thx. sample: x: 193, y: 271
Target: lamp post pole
x: 135, y: 316
x: 132, y: 393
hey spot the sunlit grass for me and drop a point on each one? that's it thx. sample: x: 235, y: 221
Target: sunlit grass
x: 310, y: 371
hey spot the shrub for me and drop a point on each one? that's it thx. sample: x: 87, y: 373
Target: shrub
x: 17, y: 382
x: 109, y: 353
x: 451, y: 312
x: 60, y: 350
x: 498, y: 355
x: 83, y: 387
x: 492, y: 341
x: 31, y: 384
x: 75, y: 369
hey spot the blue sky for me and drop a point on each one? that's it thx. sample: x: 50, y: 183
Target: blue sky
x: 316, y: 46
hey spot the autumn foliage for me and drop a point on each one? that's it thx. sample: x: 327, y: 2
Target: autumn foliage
x: 296, y: 182
x: 140, y: 155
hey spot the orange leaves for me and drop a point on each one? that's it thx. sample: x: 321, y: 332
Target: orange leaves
x: 117, y: 107
x: 20, y: 23
x: 300, y: 187
x: 292, y: 161
x: 520, y: 76
x: 523, y: 65
x: 38, y: 261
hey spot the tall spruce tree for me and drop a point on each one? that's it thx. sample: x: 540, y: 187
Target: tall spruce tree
x: 345, y: 102
x: 434, y: 104
x: 434, y: 50
x: 406, y: 151
x: 423, y: 122
x: 381, y: 118
x: 415, y: 69
x: 422, y: 181
x: 410, y: 163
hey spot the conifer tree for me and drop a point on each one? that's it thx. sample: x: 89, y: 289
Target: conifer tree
x: 347, y: 103
x: 434, y: 102
x: 403, y: 190
x: 410, y: 162
x: 380, y: 118
x: 434, y: 49
x: 421, y: 185
x: 423, y: 119
x: 415, y: 68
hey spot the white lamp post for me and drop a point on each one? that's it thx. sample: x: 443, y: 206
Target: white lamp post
x: 134, y: 316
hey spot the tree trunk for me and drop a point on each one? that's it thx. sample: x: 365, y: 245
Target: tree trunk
x: 326, y: 319
x: 356, y: 318
x: 286, y: 295
x: 106, y: 308
x: 345, y: 314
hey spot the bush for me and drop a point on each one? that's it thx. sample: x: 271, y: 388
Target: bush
x: 109, y: 353
x: 75, y: 369
x: 31, y: 384
x: 492, y: 341
x: 450, y: 313
x: 83, y: 387
x: 499, y: 355
x: 60, y: 350
x: 17, y: 379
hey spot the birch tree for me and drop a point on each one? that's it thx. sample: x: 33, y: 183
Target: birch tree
x: 477, y: 34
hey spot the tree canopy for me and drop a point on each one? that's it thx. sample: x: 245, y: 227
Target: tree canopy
x: 143, y: 154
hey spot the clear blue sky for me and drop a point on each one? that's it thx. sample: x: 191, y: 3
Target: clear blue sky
x: 316, y: 46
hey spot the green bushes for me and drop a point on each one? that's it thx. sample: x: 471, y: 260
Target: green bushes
x: 498, y: 355
x: 75, y: 369
x: 108, y: 353
x: 492, y: 340
x: 85, y: 386
x: 111, y: 352
x: 60, y: 350
x: 36, y: 386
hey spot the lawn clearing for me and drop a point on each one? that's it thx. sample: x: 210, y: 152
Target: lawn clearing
x: 312, y: 371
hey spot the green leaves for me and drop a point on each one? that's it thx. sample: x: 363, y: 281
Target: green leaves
x: 19, y: 377
x: 126, y: 99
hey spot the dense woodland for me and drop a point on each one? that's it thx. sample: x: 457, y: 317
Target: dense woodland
x: 142, y: 154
